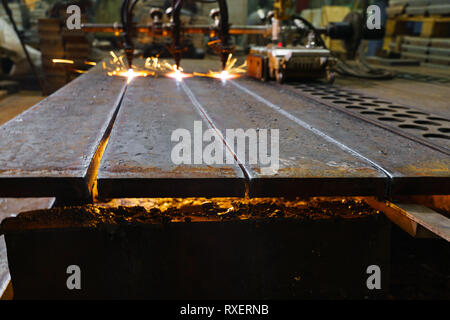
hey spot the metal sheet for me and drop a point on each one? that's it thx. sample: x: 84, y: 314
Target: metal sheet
x: 415, y: 168
x: 413, y: 123
x: 425, y: 93
x: 47, y: 150
x: 310, y: 163
x: 137, y: 161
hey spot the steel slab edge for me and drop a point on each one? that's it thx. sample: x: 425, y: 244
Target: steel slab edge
x: 137, y: 161
x: 48, y: 149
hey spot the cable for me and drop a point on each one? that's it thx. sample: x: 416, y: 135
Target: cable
x: 317, y: 36
x: 30, y: 62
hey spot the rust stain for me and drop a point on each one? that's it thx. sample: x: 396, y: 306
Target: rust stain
x: 173, y: 171
x: 428, y: 168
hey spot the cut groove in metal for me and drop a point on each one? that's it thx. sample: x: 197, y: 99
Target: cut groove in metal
x: 205, y: 115
x: 91, y: 177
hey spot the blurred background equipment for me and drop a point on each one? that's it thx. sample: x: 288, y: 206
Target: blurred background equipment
x: 284, y: 40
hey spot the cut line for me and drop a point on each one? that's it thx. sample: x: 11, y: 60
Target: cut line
x: 92, y: 172
x: 203, y: 112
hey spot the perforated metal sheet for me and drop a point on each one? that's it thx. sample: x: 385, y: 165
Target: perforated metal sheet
x: 427, y: 128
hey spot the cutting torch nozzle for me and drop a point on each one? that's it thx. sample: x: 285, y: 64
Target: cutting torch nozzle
x: 129, y: 52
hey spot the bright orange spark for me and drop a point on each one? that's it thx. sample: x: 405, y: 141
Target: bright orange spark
x: 63, y: 61
x: 171, y: 71
x: 230, y: 71
x: 130, y: 74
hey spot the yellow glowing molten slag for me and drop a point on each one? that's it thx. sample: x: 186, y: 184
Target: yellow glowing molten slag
x: 230, y: 71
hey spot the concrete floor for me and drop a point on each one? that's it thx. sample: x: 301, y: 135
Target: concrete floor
x: 13, y: 104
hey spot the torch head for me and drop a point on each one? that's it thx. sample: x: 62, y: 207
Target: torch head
x: 224, y: 54
x: 177, y: 58
x: 129, y: 52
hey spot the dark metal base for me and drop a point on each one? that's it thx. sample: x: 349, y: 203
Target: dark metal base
x: 290, y: 259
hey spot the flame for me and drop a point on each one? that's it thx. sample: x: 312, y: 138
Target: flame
x: 225, y: 75
x: 178, y: 74
x: 230, y: 71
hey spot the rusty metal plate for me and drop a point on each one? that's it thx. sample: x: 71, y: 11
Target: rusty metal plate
x: 311, y: 163
x: 47, y: 150
x: 137, y: 161
x: 413, y: 167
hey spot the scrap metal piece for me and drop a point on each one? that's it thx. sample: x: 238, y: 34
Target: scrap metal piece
x: 417, y: 220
